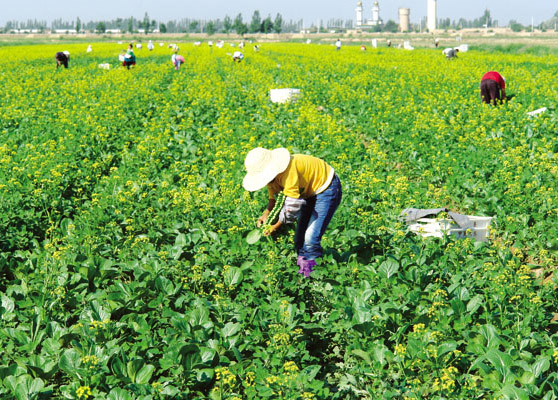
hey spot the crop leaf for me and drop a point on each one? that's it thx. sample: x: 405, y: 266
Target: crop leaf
x: 207, y: 355
x: 133, y: 367
x: 491, y: 336
x: 311, y: 371
x: 540, y: 366
x: 445, y: 348
x: 7, y: 304
x: 205, y: 375
x: 119, y: 394
x: 233, y: 276
x: 474, y: 304
x: 388, y: 268
x: 253, y: 236
x: 362, y: 354
x: 512, y: 393
x: 230, y: 329
x: 70, y: 361
x: 144, y: 374
x: 502, y: 362
x: 164, y: 285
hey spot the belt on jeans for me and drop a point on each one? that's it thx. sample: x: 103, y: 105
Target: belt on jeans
x: 327, y: 182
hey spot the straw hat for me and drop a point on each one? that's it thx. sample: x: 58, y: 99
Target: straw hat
x: 262, y: 165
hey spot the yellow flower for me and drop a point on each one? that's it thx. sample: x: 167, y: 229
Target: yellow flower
x: 290, y: 367
x: 400, y: 350
x: 83, y: 392
x: 418, y: 328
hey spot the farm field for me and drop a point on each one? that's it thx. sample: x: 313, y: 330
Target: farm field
x: 124, y: 267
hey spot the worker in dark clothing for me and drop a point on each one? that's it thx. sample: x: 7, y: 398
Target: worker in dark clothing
x: 62, y: 58
x: 492, y: 87
x: 451, y: 53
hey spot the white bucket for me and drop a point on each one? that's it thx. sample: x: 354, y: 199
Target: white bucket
x: 284, y: 95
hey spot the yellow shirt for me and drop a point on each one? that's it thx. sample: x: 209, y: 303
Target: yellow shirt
x: 303, y: 178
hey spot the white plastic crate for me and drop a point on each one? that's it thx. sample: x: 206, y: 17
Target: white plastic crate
x: 284, y: 95
x: 464, y: 48
x: 438, y: 227
x: 104, y: 66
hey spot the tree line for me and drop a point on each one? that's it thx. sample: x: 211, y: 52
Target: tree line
x: 257, y: 24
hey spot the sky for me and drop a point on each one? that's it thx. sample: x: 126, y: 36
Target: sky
x: 309, y: 10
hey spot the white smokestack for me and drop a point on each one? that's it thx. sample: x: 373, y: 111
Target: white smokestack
x: 432, y: 15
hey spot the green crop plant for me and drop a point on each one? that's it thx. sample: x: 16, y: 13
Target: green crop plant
x: 255, y: 235
x: 124, y: 267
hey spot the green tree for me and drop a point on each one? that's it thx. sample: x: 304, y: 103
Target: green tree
x: 255, y: 25
x: 390, y: 26
x: 486, y: 18
x: 78, y: 25
x: 210, y: 28
x: 101, y: 27
x: 239, y: 26
x: 131, y: 25
x: 227, y: 24
x: 162, y: 28
x: 193, y: 26
x: 146, y: 23
x: 267, y: 25
x: 516, y: 26
x: 278, y: 23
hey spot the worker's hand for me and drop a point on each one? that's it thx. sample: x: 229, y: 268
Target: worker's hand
x: 272, y: 228
x: 262, y: 219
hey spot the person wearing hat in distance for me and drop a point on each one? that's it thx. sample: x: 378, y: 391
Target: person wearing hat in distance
x: 451, y: 53
x: 129, y: 57
x: 177, y: 60
x: 237, y: 56
x: 492, y: 87
x: 62, y: 58
x: 312, y: 194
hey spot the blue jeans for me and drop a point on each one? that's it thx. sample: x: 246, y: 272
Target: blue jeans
x: 314, y: 219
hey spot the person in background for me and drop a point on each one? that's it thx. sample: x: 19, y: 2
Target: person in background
x: 451, y: 53
x: 338, y: 44
x: 237, y: 56
x: 312, y: 190
x: 437, y: 42
x: 493, y: 88
x: 389, y: 43
x: 129, y: 57
x: 177, y: 60
x: 363, y: 48
x: 150, y: 45
x: 62, y: 58
x: 89, y: 49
